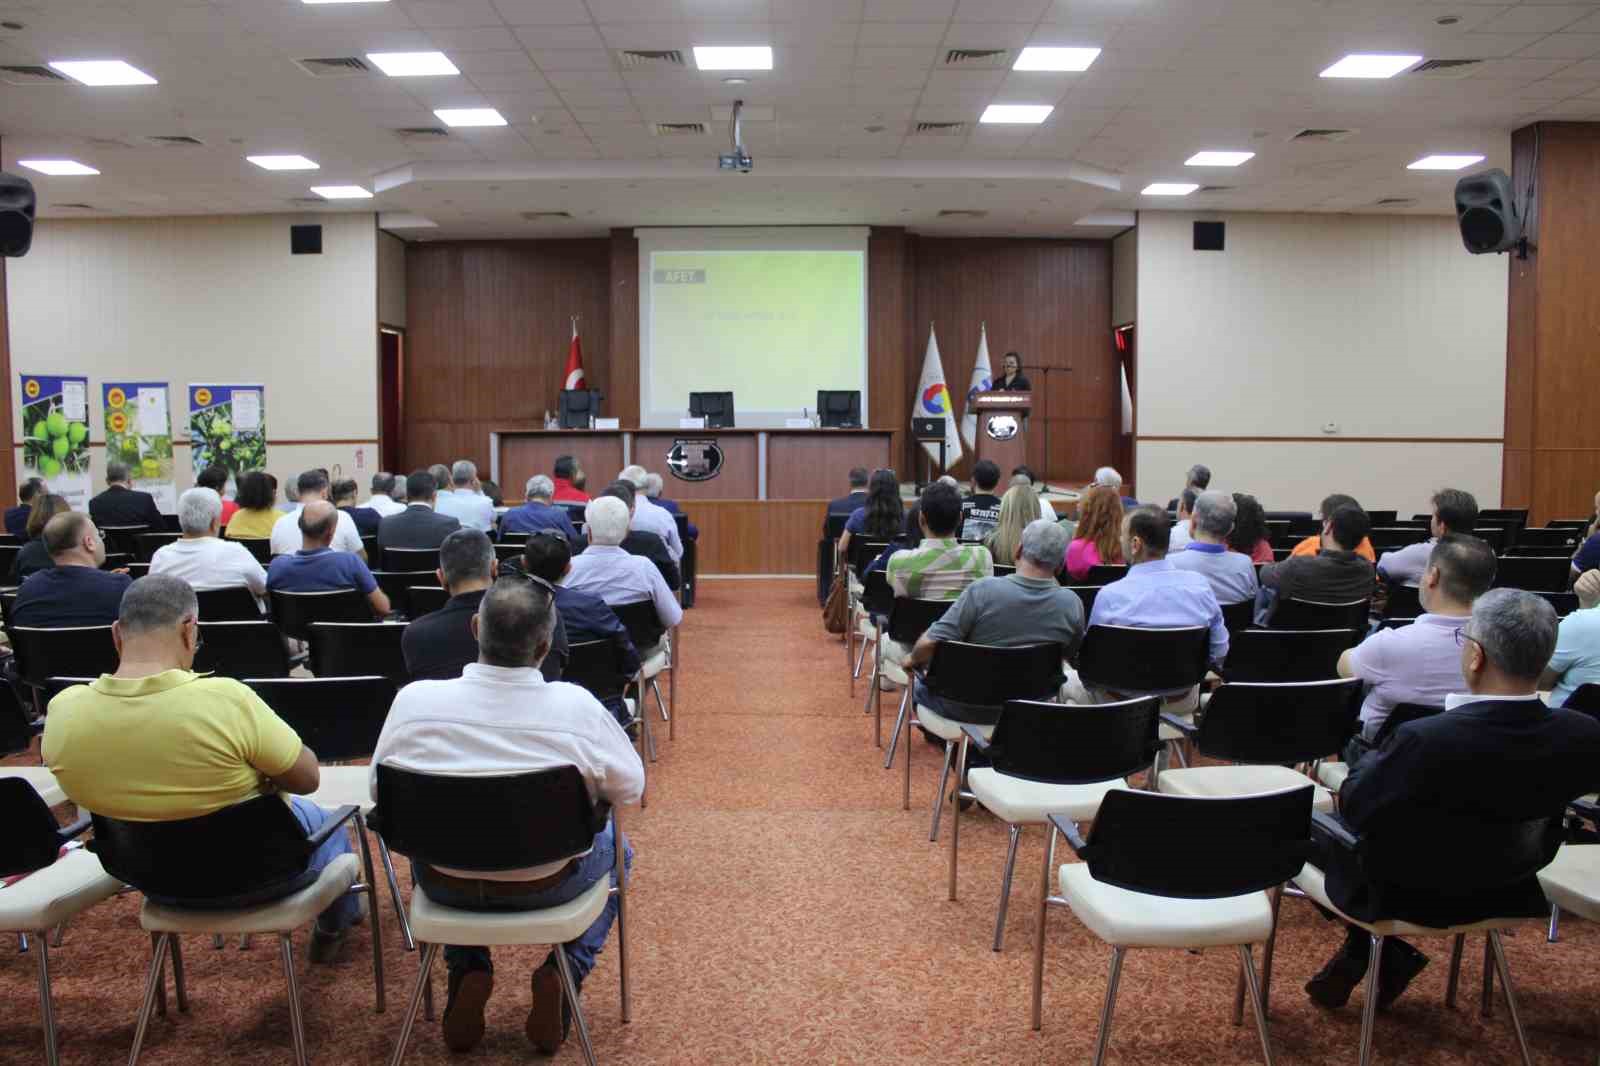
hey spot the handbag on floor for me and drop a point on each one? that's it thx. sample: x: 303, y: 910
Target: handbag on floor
x: 836, y: 611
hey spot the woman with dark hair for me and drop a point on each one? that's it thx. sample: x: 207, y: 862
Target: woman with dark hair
x: 1098, y: 539
x: 1249, y: 536
x: 258, y: 513
x: 34, y: 556
x: 881, y: 517
x: 215, y: 478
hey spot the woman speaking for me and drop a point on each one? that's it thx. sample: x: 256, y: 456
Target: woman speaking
x: 1012, y: 379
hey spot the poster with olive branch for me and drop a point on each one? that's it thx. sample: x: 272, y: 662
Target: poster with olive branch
x: 55, y: 434
x: 228, y: 427
x: 139, y: 435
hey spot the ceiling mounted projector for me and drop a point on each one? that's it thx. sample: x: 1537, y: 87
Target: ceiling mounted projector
x: 738, y: 159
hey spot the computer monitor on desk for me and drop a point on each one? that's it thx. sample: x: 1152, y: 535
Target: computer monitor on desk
x: 839, y: 408
x: 715, y: 407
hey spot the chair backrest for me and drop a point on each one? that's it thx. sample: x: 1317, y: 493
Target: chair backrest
x: 295, y: 611
x: 146, y: 544
x: 1518, y: 515
x: 1192, y: 848
x: 74, y: 650
x: 1396, y: 537
x: 8, y: 556
x: 910, y: 618
x: 1002, y: 570
x: 411, y: 559
x: 1567, y: 523
x: 1561, y: 541
x: 1457, y: 856
x: 517, y: 820
x: 369, y: 544
x: 1291, y: 613
x: 509, y: 549
x: 1086, y: 593
x: 833, y: 524
x: 339, y: 718
x: 55, y: 686
x: 1404, y: 602
x: 641, y: 621
x: 1585, y: 698
x: 241, y: 649
x: 1287, y: 654
x: 397, y: 585
x: 235, y: 603
x: 1238, y: 616
x: 984, y: 676
x: 122, y: 540
x: 1055, y: 743
x: 1399, y: 715
x: 876, y: 595
x: 593, y: 665
x: 1497, y: 539
x: 1251, y: 722
x: 1383, y: 518
x: 260, y: 547
x: 1105, y: 574
x: 32, y: 839
x: 8, y: 600
x: 1564, y: 602
x: 1537, y: 573
x: 358, y: 649
x: 862, y: 551
x: 16, y: 729
x: 1136, y: 661
x: 424, y: 599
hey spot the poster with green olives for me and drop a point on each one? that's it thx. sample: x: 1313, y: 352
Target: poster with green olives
x: 55, y: 434
x: 228, y: 427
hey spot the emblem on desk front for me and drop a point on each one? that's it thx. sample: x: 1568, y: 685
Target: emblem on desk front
x: 695, y: 460
x: 1002, y: 427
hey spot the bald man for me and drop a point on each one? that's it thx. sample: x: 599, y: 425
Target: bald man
x: 316, y: 567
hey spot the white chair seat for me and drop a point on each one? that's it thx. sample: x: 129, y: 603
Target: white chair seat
x: 344, y: 786
x: 865, y: 628
x: 1135, y: 920
x: 1021, y: 802
x: 43, y: 781
x: 655, y: 662
x: 279, y: 916
x: 48, y: 897
x: 945, y: 728
x: 1312, y: 883
x: 1220, y: 782
x: 434, y: 923
x: 1165, y: 732
x: 1572, y: 881
x: 1332, y: 774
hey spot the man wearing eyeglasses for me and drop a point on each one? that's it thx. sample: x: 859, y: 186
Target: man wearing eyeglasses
x: 539, y: 512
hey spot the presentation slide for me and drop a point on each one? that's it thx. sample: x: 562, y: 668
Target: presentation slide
x: 772, y: 324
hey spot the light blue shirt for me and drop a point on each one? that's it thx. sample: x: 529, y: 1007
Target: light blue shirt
x: 619, y: 578
x: 653, y: 518
x: 1157, y: 595
x: 1405, y: 566
x: 1232, y: 575
x: 473, y: 510
x: 1577, y: 657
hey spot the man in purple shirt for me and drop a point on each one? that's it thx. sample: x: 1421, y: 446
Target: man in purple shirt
x: 1454, y: 511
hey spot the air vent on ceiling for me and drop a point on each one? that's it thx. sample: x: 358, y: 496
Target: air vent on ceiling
x: 74, y: 207
x: 1394, y: 201
x: 107, y: 142
x: 1445, y: 68
x: 333, y: 67
x: 546, y: 216
x: 1215, y: 188
x: 30, y: 76
x: 939, y: 129
x: 176, y: 140
x: 678, y: 129
x: 634, y: 59
x: 1326, y: 136
x: 307, y: 201
x: 977, y: 58
x: 421, y: 133
x: 962, y: 213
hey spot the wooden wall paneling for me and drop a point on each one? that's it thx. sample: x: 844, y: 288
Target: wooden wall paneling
x: 1522, y: 287
x: 807, y: 465
x: 894, y: 356
x: 756, y: 536
x: 599, y: 454
x: 622, y: 396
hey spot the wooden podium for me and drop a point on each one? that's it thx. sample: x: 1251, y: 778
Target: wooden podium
x: 1002, y: 428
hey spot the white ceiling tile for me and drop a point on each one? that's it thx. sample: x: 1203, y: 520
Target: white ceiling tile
x: 585, y: 79
x: 474, y: 63
x: 901, y: 34
x: 907, y: 10
x: 1588, y: 68
x: 1564, y: 46
x: 740, y: 10
x: 556, y: 37
x: 474, y: 40
x: 902, y: 58
x: 542, y: 12
x: 553, y: 59
x: 654, y: 36
x: 1538, y: 18
x: 634, y: 11
x: 1001, y: 10
x: 431, y: 13
x: 513, y: 81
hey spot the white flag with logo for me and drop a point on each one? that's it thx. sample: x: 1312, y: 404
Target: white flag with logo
x: 933, y: 401
x: 981, y: 381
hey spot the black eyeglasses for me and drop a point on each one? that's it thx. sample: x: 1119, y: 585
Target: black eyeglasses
x: 1462, y: 636
x: 531, y: 578
x: 555, y: 534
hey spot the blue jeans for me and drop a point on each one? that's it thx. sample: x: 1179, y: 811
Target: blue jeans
x: 582, y: 952
x: 347, y: 908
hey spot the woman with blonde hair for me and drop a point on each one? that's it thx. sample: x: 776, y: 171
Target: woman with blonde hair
x: 1018, y: 507
x: 1098, y: 538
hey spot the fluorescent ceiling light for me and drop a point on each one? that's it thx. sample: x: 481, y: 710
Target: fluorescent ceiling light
x: 344, y: 1
x: 1034, y: 58
x: 1218, y: 159
x: 1029, y: 114
x: 412, y: 64
x: 103, y: 72
x: 1170, y: 188
x: 470, y: 116
x: 282, y: 162
x: 1444, y: 162
x: 740, y: 57
x: 339, y: 192
x: 1361, y: 65
x: 58, y: 168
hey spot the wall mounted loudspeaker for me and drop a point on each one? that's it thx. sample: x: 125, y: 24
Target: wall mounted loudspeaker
x: 305, y: 240
x: 1208, y: 236
x: 16, y: 215
x: 1486, y: 209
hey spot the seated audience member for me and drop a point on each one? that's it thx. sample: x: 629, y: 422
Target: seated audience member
x: 418, y: 526
x: 586, y: 616
x: 1576, y: 661
x: 35, y: 555
x: 1312, y: 545
x: 941, y: 567
x: 949, y: 479
x: 910, y: 536
x: 1499, y: 732
x: 388, y: 494
x: 257, y: 513
x: 313, y: 486
x: 1039, y: 488
x: 605, y: 570
x: 155, y: 742
x: 317, y: 567
x: 491, y: 489
x: 501, y: 717
x: 1421, y: 663
x: 650, y: 517
x: 123, y: 505
x: 1107, y: 477
x: 1018, y: 508
x: 1454, y: 511
x: 1336, y: 574
x: 1587, y: 557
x: 73, y: 591
x: 570, y: 480
x: 1249, y: 536
x: 17, y: 517
x: 215, y: 478
x: 201, y: 557
x: 539, y: 512
x: 291, y: 494
x: 343, y: 495
x: 857, y: 496
x: 442, y: 485
x: 643, y: 542
x: 465, y: 501
x: 653, y: 488
x: 881, y: 517
x: 980, y: 512
x: 1098, y: 539
x: 1198, y: 478
x: 1232, y: 576
x: 440, y: 643
x: 1183, y: 528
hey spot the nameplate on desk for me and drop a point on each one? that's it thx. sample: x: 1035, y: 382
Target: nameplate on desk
x: 797, y: 423
x: 692, y: 423
x: 608, y: 423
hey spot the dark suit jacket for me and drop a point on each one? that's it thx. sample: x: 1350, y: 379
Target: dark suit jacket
x: 17, y: 519
x: 440, y: 644
x: 118, y: 506
x: 418, y: 526
x: 587, y: 617
x: 365, y: 518
x: 1493, y: 761
x: 652, y: 547
x: 844, y: 505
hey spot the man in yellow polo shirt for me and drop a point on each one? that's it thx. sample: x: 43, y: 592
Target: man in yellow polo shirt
x: 155, y: 742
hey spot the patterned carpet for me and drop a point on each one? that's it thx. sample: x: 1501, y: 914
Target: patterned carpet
x: 786, y: 910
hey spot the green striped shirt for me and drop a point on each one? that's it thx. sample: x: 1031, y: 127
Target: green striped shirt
x: 938, y: 569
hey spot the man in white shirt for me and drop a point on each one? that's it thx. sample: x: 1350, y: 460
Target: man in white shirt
x: 465, y: 502
x: 603, y: 569
x: 201, y: 557
x: 651, y: 516
x: 286, y: 536
x: 501, y: 717
x: 388, y: 494
x: 1183, y: 529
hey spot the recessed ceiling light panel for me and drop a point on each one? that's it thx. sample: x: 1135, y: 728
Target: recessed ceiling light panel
x: 739, y: 57
x: 1371, y: 65
x: 1055, y: 59
x: 1218, y: 159
x: 1444, y: 162
x: 1024, y: 114
x: 413, y: 64
x: 102, y: 72
x: 282, y: 162
x: 344, y: 1
x: 1170, y: 188
x: 58, y: 168
x: 470, y: 116
x: 339, y: 192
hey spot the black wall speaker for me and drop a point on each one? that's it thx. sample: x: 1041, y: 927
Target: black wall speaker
x: 305, y: 240
x: 16, y: 215
x: 1208, y: 236
x: 1486, y: 210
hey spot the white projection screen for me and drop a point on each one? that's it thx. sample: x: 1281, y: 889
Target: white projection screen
x: 769, y: 314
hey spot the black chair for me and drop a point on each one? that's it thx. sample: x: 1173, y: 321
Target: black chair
x: 1284, y: 655
x: 1086, y: 593
x: 74, y: 651
x: 1277, y: 529
x: 1534, y: 573
x: 1134, y: 661
x: 1398, y: 716
x: 412, y: 559
x: 1396, y: 537
x: 519, y: 537
x: 1404, y: 601
x: 1585, y: 698
x: 339, y: 717
x: 117, y: 561
x: 1267, y: 727
x: 715, y: 407
x: 1395, y: 623
x: 508, y: 550
x: 1280, y: 554
x: 145, y: 545
x: 137, y: 570
x: 295, y: 611
x: 658, y: 654
x: 594, y: 666
x: 17, y: 726
x: 860, y: 556
x: 1382, y: 518
x: 1308, y: 614
x: 1301, y: 523
x: 260, y: 547
x: 1238, y: 616
x: 874, y: 602
x: 1564, y: 602
x: 907, y: 619
x: 235, y: 603
x: 369, y: 544
x: 1001, y: 570
x: 578, y: 407
x: 1560, y: 541
x: 170, y: 523
x: 122, y: 540
x: 397, y: 585
x: 241, y: 649
x: 1514, y: 515
x: 424, y: 599
x: 1568, y: 523
x: 8, y: 557
x: 1497, y: 539
x: 358, y: 649
x: 1105, y: 574
x: 518, y: 820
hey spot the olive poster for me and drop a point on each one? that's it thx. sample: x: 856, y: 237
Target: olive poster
x: 228, y: 427
x: 55, y: 434
x: 139, y: 435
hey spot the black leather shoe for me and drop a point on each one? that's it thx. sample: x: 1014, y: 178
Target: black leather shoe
x: 1332, y: 985
x: 1401, y: 963
x: 550, y: 1019
x: 462, y: 1021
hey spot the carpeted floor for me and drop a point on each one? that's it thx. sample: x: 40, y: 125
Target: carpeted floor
x: 785, y: 909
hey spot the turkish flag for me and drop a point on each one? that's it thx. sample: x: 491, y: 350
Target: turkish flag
x: 574, y: 377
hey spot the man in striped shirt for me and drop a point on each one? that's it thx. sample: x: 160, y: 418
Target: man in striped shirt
x: 941, y: 567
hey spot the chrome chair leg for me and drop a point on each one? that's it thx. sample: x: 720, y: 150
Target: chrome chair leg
x: 1487, y: 1008
x: 371, y: 890
x: 1038, y: 936
x: 1266, y: 959
x: 1005, y: 887
x: 899, y: 726
x: 59, y: 935
x: 1258, y: 1000
x: 154, y: 981
x: 417, y: 993
x: 47, y: 1014
x: 861, y: 657
x: 1369, y: 1009
x: 1510, y: 994
x: 571, y: 990
x: 905, y: 716
x: 427, y: 993
x: 955, y: 813
x: 661, y: 704
x: 944, y: 777
x: 672, y: 690
x: 1457, y: 942
x: 22, y: 943
x: 217, y: 943
x: 161, y: 987
x: 1555, y: 923
x: 1111, y: 1001
x: 297, y: 1022
x: 619, y: 872
x: 394, y: 895
x: 177, y: 973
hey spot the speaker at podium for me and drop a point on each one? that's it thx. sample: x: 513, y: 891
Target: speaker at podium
x: 1002, y: 434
